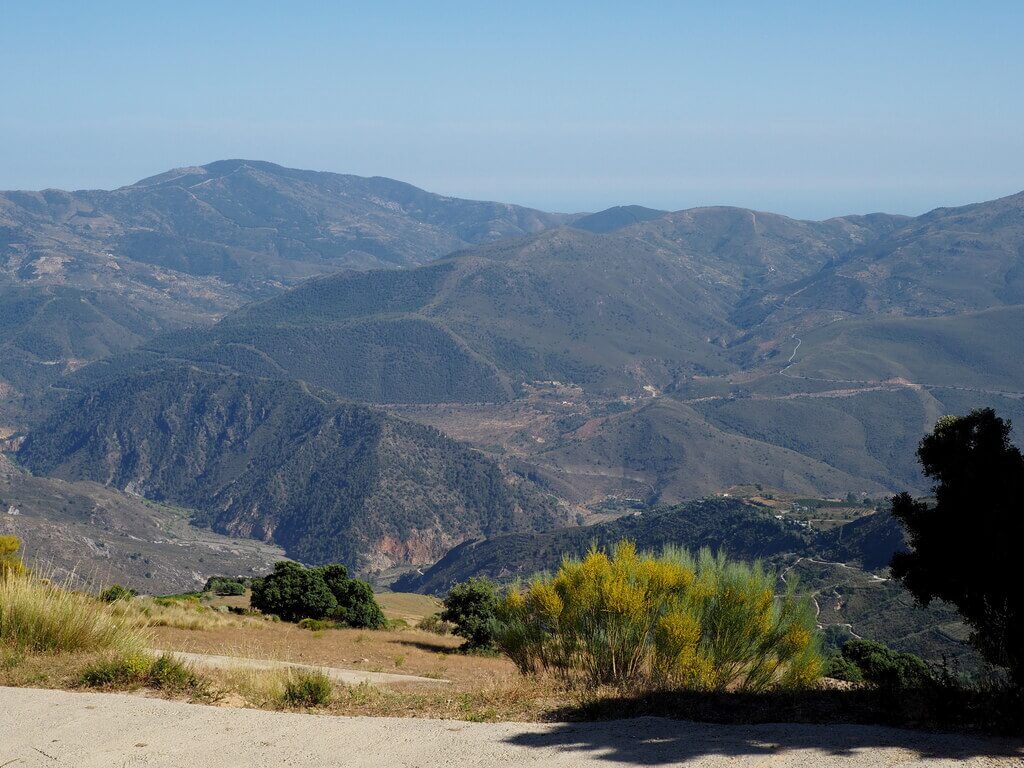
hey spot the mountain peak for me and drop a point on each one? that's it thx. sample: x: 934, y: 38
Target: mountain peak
x: 616, y: 217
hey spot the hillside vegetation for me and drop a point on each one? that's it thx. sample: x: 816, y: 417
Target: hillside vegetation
x: 840, y: 566
x: 639, y: 358
x: 750, y: 329
x: 87, y: 273
x: 276, y: 461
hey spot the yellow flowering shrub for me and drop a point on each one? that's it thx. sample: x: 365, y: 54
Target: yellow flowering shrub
x: 10, y: 561
x: 668, y: 620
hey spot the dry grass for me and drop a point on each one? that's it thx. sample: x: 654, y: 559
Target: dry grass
x: 188, y: 614
x: 407, y: 606
x: 481, y: 688
x: 37, y: 616
x: 517, y: 699
x: 409, y: 652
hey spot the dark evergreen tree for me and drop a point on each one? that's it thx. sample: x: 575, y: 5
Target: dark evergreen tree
x: 293, y: 592
x: 471, y: 606
x: 965, y: 546
x: 357, y: 606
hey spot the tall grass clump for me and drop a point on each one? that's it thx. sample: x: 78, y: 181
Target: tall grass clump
x: 127, y: 671
x: 307, y: 689
x: 37, y: 616
x: 640, y: 620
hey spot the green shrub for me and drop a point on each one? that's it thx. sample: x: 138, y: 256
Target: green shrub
x: 294, y: 592
x: 470, y: 608
x: 308, y: 689
x: 834, y: 637
x: 42, y: 617
x: 240, y: 611
x: 318, y: 625
x: 225, y: 585
x: 887, y: 668
x: 434, y: 623
x: 139, y: 670
x: 116, y: 592
x: 170, y: 674
x: 122, y: 671
x: 357, y: 607
x: 182, y: 597
x: 668, y: 621
x: 838, y: 667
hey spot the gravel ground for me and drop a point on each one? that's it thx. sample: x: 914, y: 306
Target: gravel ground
x: 94, y: 730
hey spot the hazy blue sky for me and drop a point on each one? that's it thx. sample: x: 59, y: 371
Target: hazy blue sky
x: 811, y: 109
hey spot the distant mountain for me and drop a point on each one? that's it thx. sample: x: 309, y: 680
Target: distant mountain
x: 614, y: 313
x: 665, y: 451
x: 742, y: 529
x: 743, y: 251
x: 672, y: 309
x: 661, y: 357
x: 948, y: 261
x: 46, y: 331
x: 184, y: 247
x: 246, y: 221
x: 280, y: 462
x: 606, y: 312
x: 615, y: 218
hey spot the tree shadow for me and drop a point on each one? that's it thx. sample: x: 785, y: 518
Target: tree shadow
x: 425, y: 645
x: 737, y: 725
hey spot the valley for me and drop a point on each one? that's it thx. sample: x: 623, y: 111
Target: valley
x: 91, y: 536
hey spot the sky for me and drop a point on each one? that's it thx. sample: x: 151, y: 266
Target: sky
x: 809, y: 109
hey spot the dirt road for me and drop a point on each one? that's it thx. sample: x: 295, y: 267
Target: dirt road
x: 347, y: 676
x: 92, y: 730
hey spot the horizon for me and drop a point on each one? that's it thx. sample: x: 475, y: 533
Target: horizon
x: 801, y: 110
x: 576, y: 211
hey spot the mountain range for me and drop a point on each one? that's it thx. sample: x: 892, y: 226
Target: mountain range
x: 356, y: 369
x: 87, y: 273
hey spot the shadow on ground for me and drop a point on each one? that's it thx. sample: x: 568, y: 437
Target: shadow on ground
x: 425, y: 645
x: 658, y: 741
x: 774, y: 723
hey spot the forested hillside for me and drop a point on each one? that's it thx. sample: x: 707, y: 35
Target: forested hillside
x: 277, y: 461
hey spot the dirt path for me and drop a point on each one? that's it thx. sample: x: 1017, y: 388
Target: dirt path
x: 93, y: 730
x: 348, y: 676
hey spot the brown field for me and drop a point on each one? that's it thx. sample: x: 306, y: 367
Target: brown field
x: 408, y: 606
x: 467, y: 687
x: 408, y: 651
x: 473, y: 688
x: 479, y: 688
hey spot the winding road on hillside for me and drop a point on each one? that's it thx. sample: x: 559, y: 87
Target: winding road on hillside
x: 872, y: 384
x: 42, y: 728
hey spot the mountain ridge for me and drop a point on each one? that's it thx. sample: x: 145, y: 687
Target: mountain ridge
x: 280, y: 462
